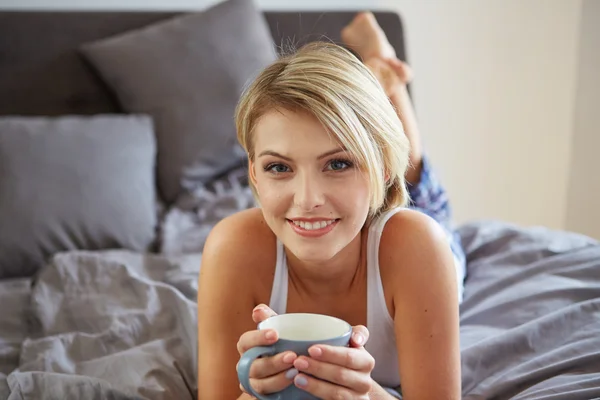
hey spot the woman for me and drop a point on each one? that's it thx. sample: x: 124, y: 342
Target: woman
x: 329, y: 163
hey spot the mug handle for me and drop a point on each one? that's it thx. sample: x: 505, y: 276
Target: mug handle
x: 243, y: 370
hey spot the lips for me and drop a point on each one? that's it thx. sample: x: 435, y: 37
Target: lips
x: 312, y: 227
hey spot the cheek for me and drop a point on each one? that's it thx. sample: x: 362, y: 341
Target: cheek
x: 354, y: 191
x: 360, y: 201
x: 271, y: 196
x: 351, y: 199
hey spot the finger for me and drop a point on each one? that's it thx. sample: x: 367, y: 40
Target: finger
x: 262, y: 312
x: 326, y: 390
x: 244, y: 391
x: 357, y: 381
x: 268, y: 366
x: 360, y: 336
x: 256, y: 338
x: 357, y: 359
x: 274, y: 383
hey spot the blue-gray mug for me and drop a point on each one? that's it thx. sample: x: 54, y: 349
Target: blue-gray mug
x: 297, y: 333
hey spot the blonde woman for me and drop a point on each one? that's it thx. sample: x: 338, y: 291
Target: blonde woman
x: 329, y: 163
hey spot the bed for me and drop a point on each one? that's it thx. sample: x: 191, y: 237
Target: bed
x: 100, y: 254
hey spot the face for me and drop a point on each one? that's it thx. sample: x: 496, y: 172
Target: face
x: 312, y: 194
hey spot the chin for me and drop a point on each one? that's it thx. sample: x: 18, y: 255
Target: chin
x: 313, y: 250
x: 310, y: 253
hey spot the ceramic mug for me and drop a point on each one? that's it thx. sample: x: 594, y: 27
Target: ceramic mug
x: 297, y: 333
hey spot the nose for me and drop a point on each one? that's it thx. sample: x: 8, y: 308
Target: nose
x: 309, y: 193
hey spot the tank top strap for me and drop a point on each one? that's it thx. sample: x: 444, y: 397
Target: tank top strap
x: 377, y: 311
x: 382, y: 341
x: 279, y: 292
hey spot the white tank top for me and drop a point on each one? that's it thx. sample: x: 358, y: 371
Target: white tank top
x: 382, y: 339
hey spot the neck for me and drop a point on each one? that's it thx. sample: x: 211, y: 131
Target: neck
x: 333, y: 277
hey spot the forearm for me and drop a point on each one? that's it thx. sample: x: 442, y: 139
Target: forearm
x: 379, y: 393
x: 401, y: 100
x: 245, y: 396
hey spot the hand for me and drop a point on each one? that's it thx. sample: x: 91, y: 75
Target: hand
x: 268, y: 374
x: 337, y: 372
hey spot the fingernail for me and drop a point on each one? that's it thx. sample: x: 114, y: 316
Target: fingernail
x: 301, y: 364
x: 358, y: 338
x: 270, y: 335
x: 289, y: 358
x: 258, y: 308
x: 315, y: 352
x: 300, y: 381
x: 291, y: 373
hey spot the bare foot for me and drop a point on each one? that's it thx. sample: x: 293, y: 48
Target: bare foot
x: 365, y: 37
x: 401, y: 69
x: 384, y: 73
x: 392, y: 74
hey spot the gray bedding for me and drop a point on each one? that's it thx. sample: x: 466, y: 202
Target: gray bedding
x: 111, y: 324
x: 531, y: 315
x: 14, y: 299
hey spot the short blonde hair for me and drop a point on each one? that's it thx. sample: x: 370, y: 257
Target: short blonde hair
x: 329, y: 82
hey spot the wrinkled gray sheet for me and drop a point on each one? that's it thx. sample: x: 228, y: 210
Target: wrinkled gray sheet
x: 110, y: 324
x: 14, y: 300
x: 531, y: 315
x: 186, y: 225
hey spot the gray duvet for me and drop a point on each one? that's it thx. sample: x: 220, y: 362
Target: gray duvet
x: 110, y: 325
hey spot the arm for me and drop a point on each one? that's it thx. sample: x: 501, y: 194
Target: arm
x: 379, y: 393
x: 225, y: 303
x: 425, y: 301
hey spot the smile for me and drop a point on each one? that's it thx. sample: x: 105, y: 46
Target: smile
x: 313, y: 228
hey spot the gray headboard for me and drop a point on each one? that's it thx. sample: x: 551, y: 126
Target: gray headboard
x: 41, y: 72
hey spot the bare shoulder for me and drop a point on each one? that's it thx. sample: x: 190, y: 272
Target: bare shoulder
x: 243, y: 238
x: 240, y: 254
x: 414, y: 249
x: 236, y: 274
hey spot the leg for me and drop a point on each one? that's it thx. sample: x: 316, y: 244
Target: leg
x: 365, y: 37
x: 398, y: 93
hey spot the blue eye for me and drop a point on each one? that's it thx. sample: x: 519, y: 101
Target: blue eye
x: 339, y: 165
x: 276, y: 168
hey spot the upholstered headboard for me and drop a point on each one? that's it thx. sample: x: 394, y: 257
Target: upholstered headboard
x: 41, y: 72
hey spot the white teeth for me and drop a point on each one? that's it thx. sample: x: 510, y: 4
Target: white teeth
x: 314, y: 225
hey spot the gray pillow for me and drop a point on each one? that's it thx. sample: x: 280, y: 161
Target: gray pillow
x: 188, y: 73
x: 71, y: 183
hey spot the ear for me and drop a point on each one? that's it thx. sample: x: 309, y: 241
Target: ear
x: 252, y: 173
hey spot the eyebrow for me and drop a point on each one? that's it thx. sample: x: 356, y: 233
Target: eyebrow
x: 326, y: 154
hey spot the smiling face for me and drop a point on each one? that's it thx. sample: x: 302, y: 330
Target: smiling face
x: 318, y: 173
x: 312, y: 194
